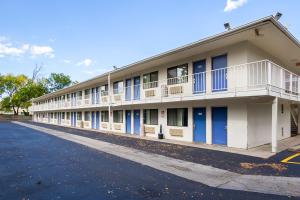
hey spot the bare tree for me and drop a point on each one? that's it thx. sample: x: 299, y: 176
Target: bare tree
x: 36, y: 72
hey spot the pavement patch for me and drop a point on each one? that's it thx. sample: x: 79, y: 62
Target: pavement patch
x: 275, y: 166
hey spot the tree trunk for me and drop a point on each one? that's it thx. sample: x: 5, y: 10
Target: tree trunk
x: 16, y: 112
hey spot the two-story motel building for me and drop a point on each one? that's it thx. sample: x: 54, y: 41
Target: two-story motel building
x: 239, y: 88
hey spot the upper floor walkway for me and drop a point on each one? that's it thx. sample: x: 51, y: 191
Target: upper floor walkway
x: 259, y: 78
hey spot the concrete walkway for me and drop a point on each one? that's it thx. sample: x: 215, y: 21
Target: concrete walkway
x: 214, y: 177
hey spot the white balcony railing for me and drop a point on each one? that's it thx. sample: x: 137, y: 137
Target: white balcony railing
x: 255, y: 76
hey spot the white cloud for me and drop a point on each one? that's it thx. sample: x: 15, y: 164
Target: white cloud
x: 42, y: 50
x: 7, y: 49
x: 67, y: 61
x: 52, y: 40
x: 86, y: 62
x: 12, y: 49
x: 234, y: 4
x: 87, y: 72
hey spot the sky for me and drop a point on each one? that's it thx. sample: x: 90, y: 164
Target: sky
x: 86, y: 38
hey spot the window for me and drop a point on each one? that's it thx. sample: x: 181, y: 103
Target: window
x: 51, y: 115
x: 150, y: 80
x: 68, y: 97
x: 178, y: 74
x: 104, y: 90
x: 282, y: 109
x: 104, y: 116
x: 118, y: 116
x: 86, y: 116
x: 177, y: 117
x: 55, y: 115
x: 79, y: 116
x: 151, y: 116
x: 87, y: 93
x: 68, y: 115
x: 118, y: 87
x: 62, y: 115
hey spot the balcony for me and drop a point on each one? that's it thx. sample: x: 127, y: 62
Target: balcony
x: 259, y: 78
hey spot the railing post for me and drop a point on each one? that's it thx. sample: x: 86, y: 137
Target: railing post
x: 269, y: 75
x: 281, y: 81
x: 291, y: 84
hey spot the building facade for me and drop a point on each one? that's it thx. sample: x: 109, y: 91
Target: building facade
x: 239, y: 88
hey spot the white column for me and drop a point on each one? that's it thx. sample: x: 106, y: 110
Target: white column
x: 208, y: 76
x: 298, y: 118
x: 142, y: 123
x: 131, y: 120
x: 208, y: 125
x: 274, y: 124
x: 109, y: 104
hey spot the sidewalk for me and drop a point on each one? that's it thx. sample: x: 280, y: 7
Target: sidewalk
x: 215, y: 158
x: 211, y: 176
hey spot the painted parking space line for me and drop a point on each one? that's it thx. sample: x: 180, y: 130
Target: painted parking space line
x: 289, y: 159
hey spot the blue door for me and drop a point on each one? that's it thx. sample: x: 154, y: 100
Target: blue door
x: 219, y: 125
x: 97, y: 120
x: 199, y: 69
x: 128, y: 121
x: 200, y: 125
x: 219, y: 73
x: 128, y: 90
x: 136, y: 83
x: 93, y: 120
x: 137, y: 122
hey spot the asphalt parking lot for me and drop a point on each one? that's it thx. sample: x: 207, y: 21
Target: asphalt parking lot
x: 229, y: 161
x: 35, y: 165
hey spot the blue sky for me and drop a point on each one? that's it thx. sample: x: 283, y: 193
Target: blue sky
x: 86, y: 38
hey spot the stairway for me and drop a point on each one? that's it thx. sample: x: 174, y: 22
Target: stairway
x: 294, y: 120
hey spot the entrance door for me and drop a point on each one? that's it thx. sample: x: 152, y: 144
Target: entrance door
x: 136, y: 83
x: 199, y: 69
x: 219, y: 125
x: 200, y: 125
x: 128, y: 90
x: 219, y: 73
x: 137, y: 122
x: 128, y: 121
x: 93, y: 120
x: 97, y: 119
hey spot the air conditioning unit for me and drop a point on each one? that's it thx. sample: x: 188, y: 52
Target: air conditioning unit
x: 149, y: 93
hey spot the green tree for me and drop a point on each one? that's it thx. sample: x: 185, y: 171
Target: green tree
x: 57, y: 81
x: 18, y: 91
